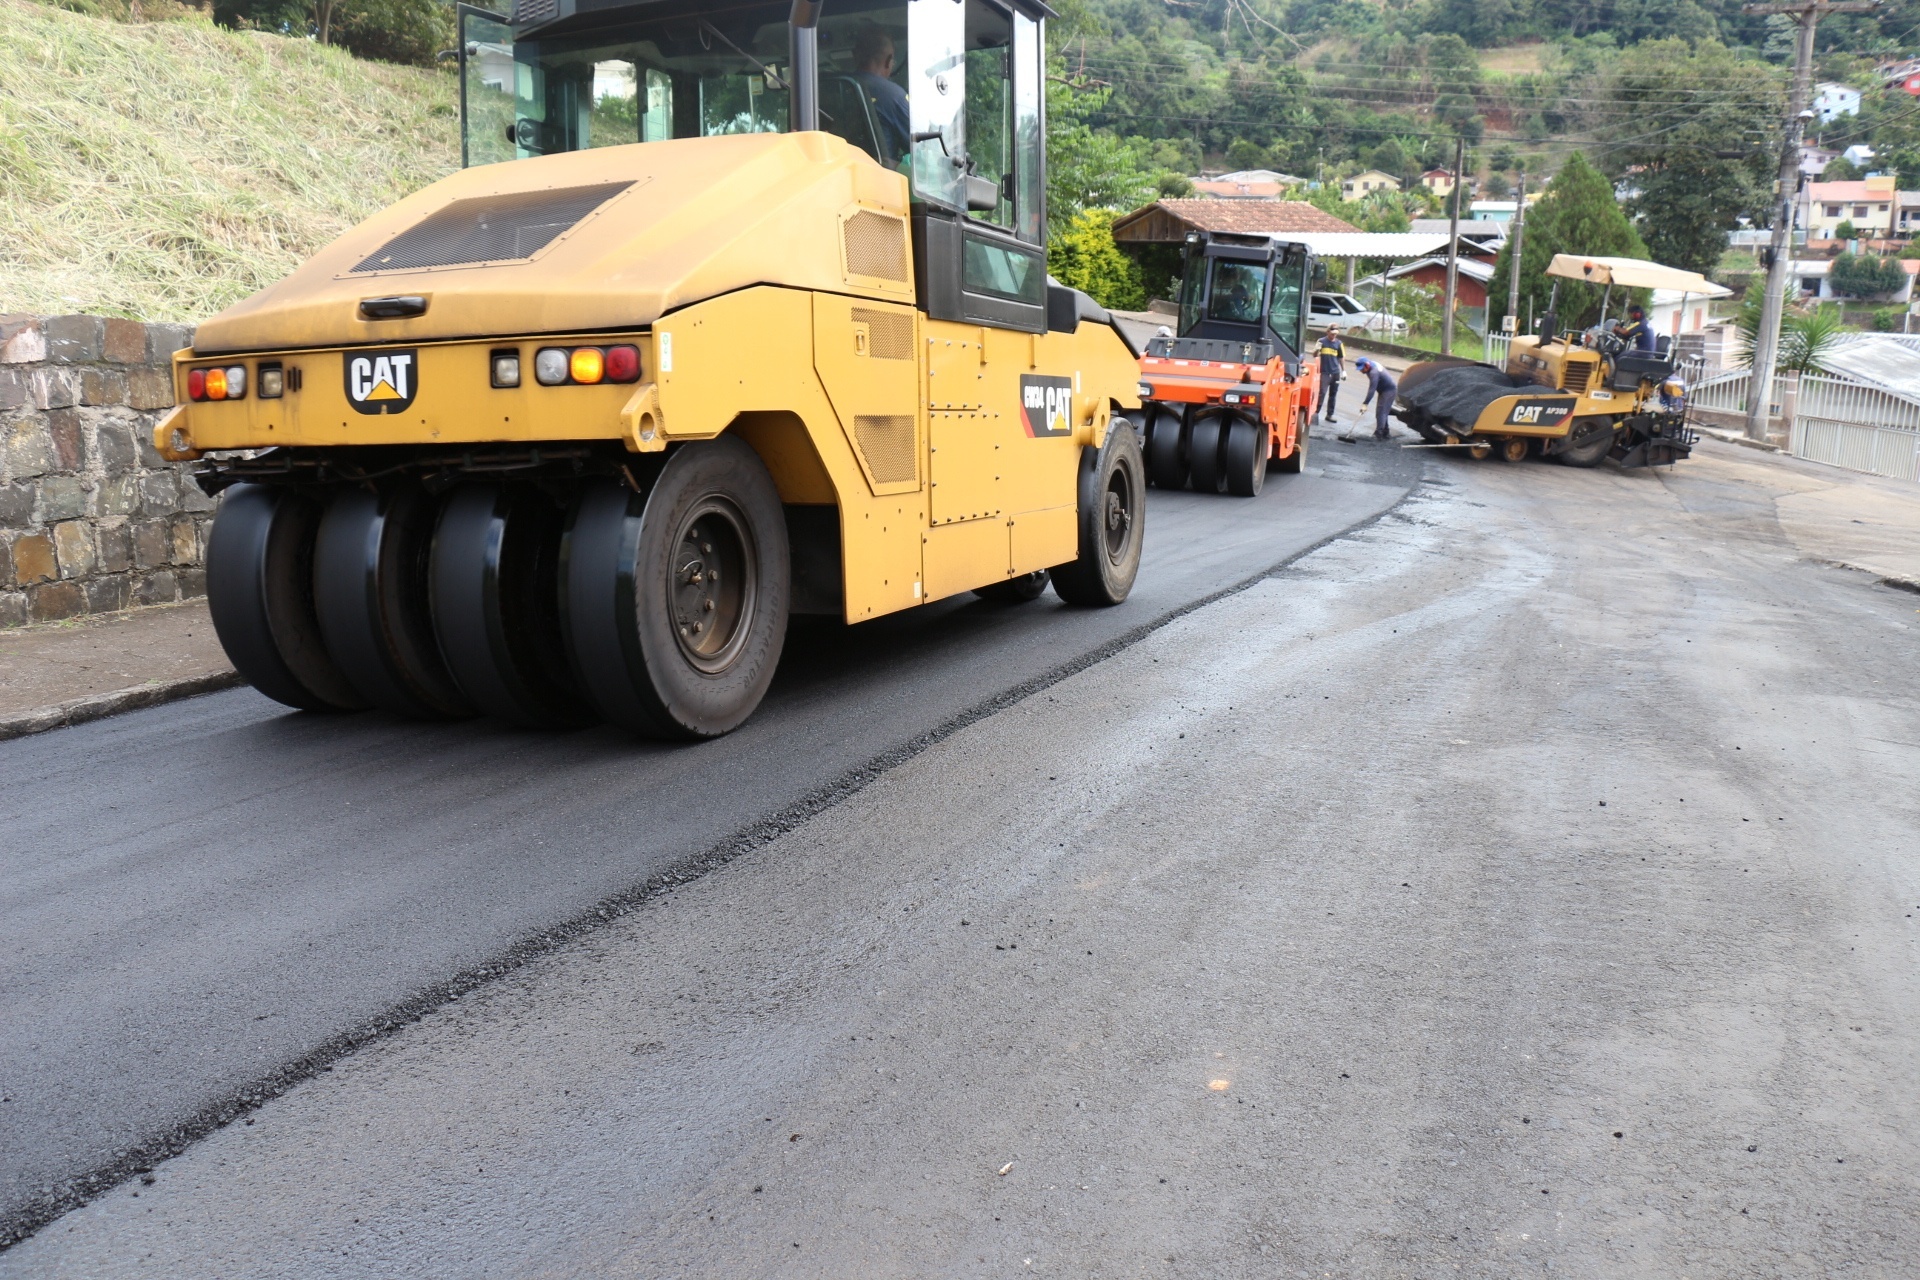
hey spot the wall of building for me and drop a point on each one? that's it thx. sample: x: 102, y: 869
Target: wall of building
x: 91, y: 518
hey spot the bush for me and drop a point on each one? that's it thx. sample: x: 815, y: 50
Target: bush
x: 1889, y: 319
x: 1860, y: 275
x: 1084, y: 256
x: 1846, y: 231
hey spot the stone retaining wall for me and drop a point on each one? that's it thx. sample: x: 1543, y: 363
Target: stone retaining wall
x: 91, y: 518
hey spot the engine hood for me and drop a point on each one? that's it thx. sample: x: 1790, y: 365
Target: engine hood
x: 611, y: 238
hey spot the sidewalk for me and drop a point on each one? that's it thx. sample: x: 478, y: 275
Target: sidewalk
x: 59, y: 673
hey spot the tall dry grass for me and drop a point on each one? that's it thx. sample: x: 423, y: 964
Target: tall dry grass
x: 162, y: 171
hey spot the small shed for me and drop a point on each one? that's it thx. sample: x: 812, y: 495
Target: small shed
x: 1168, y: 221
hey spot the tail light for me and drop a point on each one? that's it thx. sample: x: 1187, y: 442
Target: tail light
x: 575, y: 366
x: 196, y: 384
x: 229, y: 383
x: 588, y: 365
x: 623, y: 364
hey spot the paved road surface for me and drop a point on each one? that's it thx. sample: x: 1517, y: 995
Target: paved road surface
x: 1524, y: 883
x: 202, y: 901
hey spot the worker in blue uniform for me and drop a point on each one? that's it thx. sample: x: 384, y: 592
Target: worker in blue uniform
x: 1381, y: 388
x: 1635, y: 329
x: 873, y: 71
x: 1330, y: 352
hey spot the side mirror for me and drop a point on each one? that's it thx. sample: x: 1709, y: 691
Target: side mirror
x: 983, y: 194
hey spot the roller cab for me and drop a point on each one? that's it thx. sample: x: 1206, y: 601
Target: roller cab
x: 1231, y: 392
x: 735, y: 312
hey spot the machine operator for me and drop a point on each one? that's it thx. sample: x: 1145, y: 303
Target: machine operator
x: 1635, y: 330
x: 873, y: 69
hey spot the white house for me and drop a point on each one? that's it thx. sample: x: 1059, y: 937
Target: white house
x: 1859, y: 155
x: 1831, y: 101
x: 1813, y: 281
x: 1671, y: 312
x: 1362, y: 185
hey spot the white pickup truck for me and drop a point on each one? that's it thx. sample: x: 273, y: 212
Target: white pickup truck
x: 1341, y: 309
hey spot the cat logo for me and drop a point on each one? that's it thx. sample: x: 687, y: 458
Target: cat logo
x: 1539, y: 413
x: 382, y: 381
x: 1046, y: 405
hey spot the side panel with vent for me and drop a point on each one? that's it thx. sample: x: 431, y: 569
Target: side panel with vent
x: 873, y: 248
x: 864, y: 352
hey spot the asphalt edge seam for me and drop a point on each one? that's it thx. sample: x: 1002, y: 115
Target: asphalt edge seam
x: 84, y: 1188
x: 99, y: 706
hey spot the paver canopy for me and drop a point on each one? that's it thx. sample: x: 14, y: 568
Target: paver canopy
x: 1632, y: 273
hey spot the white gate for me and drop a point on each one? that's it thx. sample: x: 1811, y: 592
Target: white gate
x: 1848, y: 424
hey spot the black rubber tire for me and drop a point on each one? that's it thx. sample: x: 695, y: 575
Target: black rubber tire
x: 495, y: 587
x: 636, y: 601
x: 1515, y: 449
x: 1246, y: 457
x: 1166, y: 460
x: 1588, y: 449
x: 260, y: 593
x: 1296, y: 462
x: 370, y: 588
x: 1019, y: 590
x: 1206, y: 454
x: 1113, y: 513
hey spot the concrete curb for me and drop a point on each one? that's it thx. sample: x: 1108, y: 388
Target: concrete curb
x: 101, y: 705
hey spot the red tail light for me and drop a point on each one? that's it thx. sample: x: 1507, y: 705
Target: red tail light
x: 196, y: 384
x: 623, y: 364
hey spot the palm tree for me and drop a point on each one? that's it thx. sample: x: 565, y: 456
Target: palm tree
x: 1805, y: 336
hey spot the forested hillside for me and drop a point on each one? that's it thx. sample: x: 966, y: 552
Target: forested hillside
x: 1679, y: 101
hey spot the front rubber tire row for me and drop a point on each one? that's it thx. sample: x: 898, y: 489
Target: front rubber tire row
x: 1214, y: 452
x: 661, y: 609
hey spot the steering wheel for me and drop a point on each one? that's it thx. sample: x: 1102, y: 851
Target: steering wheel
x: 1609, y: 344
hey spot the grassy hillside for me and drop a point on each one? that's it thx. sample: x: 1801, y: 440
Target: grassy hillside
x: 165, y: 170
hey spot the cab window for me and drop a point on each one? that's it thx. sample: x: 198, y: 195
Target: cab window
x: 1237, y: 292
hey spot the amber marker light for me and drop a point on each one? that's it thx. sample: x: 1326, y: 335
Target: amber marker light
x: 588, y: 365
x: 216, y: 384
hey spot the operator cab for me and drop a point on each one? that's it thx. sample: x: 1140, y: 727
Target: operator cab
x: 947, y: 92
x: 1243, y: 291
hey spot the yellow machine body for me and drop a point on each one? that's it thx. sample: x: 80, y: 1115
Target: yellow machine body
x: 767, y: 282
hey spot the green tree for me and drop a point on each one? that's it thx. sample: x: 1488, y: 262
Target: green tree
x: 1861, y: 275
x: 1083, y: 255
x: 1576, y: 214
x: 1846, y: 231
x: 1805, y: 336
x: 1840, y: 169
x: 1699, y: 162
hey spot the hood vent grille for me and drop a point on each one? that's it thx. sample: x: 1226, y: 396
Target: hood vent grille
x: 504, y: 228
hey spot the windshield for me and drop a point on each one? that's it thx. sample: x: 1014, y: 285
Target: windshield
x: 1238, y: 290
x: 687, y: 77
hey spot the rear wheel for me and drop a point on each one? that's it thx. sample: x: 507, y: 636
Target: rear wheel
x: 260, y: 593
x: 1246, y: 457
x: 1016, y: 590
x: 1166, y: 450
x: 1588, y: 442
x: 494, y: 577
x: 677, y: 599
x: 1516, y: 448
x: 1112, y: 524
x: 371, y: 592
x: 1206, y: 454
x: 1296, y: 462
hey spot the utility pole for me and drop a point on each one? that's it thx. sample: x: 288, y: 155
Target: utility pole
x: 1766, y: 343
x: 1453, y: 247
x: 1519, y: 243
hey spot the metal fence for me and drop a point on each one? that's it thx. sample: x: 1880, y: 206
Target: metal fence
x: 1849, y: 424
x: 1834, y: 420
